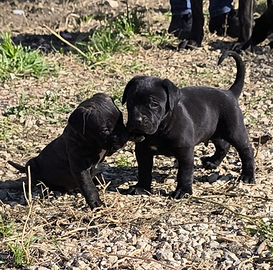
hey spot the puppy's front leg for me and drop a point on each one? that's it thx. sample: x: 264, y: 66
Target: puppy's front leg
x: 144, y: 158
x: 185, y: 159
x: 84, y: 178
x: 89, y: 189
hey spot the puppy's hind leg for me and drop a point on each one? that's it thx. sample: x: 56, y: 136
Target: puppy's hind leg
x: 246, y: 154
x: 222, y: 148
x: 241, y: 142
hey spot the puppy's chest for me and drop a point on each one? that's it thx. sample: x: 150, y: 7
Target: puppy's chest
x: 101, y: 156
x: 161, y: 147
x: 154, y: 148
x: 158, y: 150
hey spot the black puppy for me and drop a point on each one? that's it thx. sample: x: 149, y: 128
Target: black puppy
x: 94, y: 129
x: 171, y: 121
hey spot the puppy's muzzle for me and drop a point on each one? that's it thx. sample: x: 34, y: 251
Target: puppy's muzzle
x: 139, y: 123
x: 140, y: 128
x: 116, y: 141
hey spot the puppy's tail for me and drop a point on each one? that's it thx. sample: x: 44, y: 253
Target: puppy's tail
x: 237, y: 86
x: 17, y: 166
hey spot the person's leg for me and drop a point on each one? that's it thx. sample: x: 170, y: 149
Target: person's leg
x: 180, y: 7
x: 219, y: 7
x: 223, y: 19
x: 181, y: 22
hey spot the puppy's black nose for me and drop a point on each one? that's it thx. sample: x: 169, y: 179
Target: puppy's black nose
x: 138, y: 119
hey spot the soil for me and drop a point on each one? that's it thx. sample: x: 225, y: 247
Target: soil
x: 216, y: 228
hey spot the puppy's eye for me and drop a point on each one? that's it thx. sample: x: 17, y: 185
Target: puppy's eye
x: 154, y: 104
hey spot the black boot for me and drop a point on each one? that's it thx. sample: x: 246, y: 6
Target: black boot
x: 180, y: 26
x: 225, y: 24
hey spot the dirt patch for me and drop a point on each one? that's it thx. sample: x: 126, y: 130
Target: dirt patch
x: 205, y: 231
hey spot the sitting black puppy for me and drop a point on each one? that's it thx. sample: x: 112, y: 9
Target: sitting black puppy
x: 95, y: 129
x: 171, y: 121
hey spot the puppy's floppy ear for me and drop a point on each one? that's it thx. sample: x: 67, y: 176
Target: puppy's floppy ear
x: 127, y: 87
x: 77, y: 119
x: 171, y: 91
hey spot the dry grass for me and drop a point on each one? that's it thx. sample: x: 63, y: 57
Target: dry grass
x: 65, y: 226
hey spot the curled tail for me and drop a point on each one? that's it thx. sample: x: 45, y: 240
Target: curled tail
x: 237, y: 86
x: 17, y: 166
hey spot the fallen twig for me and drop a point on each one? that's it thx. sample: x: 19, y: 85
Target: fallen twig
x: 65, y: 41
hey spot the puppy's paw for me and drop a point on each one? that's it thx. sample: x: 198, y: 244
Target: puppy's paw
x: 247, y: 179
x: 136, y: 190
x: 180, y: 193
x: 189, y: 44
x: 208, y: 164
x: 95, y: 204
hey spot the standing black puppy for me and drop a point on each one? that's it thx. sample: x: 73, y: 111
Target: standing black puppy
x: 95, y: 129
x: 171, y: 121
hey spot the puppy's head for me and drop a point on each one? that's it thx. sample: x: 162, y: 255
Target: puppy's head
x: 149, y: 99
x: 100, y: 119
